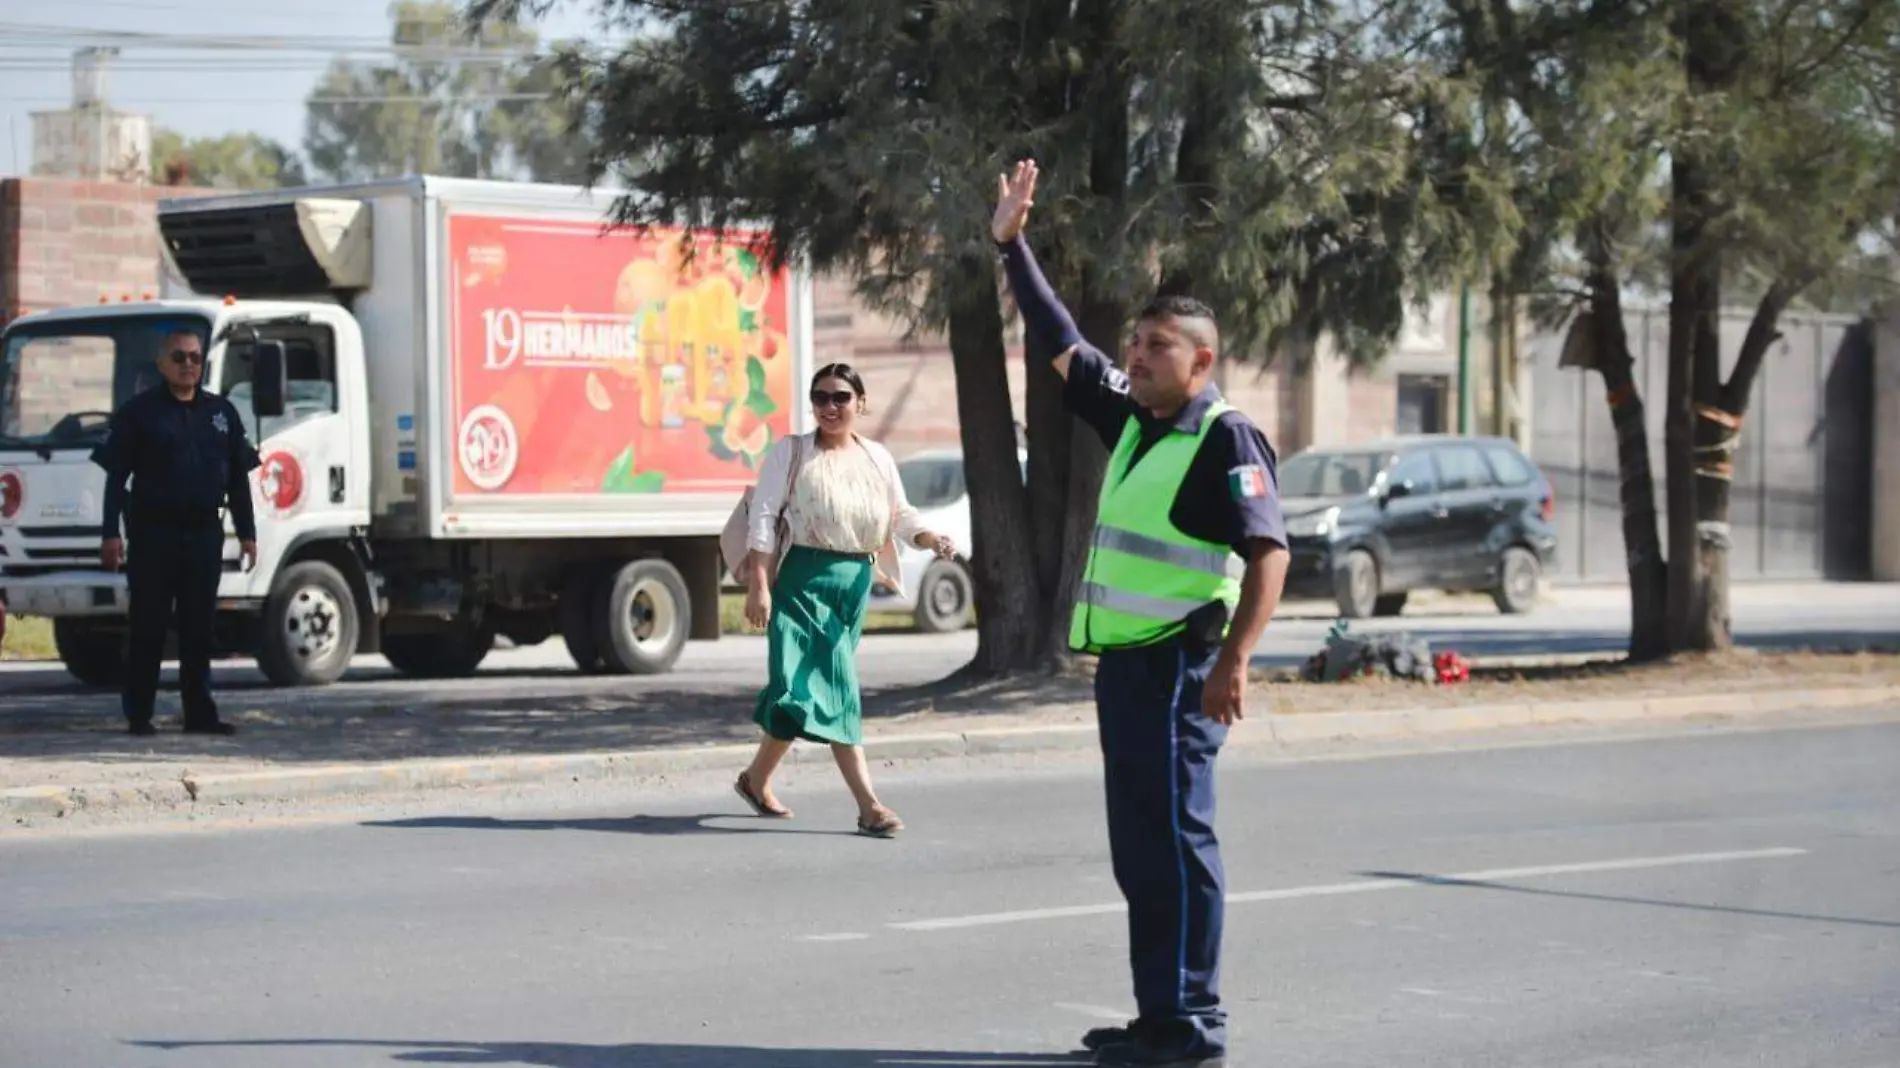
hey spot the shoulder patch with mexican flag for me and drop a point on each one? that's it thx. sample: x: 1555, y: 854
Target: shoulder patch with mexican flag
x: 1247, y: 481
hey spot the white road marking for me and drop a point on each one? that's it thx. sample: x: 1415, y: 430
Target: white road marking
x: 1364, y: 886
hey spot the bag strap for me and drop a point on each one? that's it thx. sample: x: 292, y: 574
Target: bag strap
x: 791, y: 477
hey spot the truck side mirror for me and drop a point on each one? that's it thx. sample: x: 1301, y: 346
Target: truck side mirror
x: 269, y: 371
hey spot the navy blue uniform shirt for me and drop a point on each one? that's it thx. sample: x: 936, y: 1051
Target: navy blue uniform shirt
x: 1231, y: 494
x: 186, y: 459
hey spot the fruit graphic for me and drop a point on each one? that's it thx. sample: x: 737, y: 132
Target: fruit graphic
x: 745, y: 432
x: 597, y: 396
x: 641, y: 283
x: 774, y: 343
x: 718, y: 307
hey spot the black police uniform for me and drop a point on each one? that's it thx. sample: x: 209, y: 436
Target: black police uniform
x: 186, y: 460
x: 1158, y: 747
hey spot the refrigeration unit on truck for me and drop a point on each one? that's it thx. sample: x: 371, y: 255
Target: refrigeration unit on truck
x: 479, y: 412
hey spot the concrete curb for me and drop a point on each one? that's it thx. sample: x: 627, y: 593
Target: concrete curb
x: 1282, y: 730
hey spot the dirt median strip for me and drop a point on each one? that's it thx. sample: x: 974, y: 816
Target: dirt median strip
x: 1054, y: 729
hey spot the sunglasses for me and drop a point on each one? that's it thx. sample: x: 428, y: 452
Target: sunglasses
x: 841, y: 398
x: 181, y: 356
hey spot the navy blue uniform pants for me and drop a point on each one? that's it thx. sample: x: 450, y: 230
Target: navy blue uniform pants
x: 1158, y: 752
x: 171, y: 575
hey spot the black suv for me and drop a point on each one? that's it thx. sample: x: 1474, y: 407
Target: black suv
x: 1368, y: 523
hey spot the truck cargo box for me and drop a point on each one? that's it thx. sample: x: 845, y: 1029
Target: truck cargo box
x: 532, y: 372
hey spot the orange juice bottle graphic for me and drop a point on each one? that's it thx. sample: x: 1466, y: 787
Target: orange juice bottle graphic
x: 673, y: 389
x: 718, y: 387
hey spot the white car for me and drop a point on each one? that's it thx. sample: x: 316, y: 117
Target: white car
x: 939, y: 593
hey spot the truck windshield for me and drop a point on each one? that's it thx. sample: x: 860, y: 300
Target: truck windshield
x: 61, y: 381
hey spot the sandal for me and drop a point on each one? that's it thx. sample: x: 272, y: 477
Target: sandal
x: 743, y: 788
x: 886, y: 827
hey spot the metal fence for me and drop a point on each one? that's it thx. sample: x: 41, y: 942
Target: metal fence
x: 1800, y: 506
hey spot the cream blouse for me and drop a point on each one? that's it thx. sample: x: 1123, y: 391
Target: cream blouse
x: 847, y: 500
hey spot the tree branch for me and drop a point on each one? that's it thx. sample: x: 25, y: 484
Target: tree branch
x: 1762, y: 333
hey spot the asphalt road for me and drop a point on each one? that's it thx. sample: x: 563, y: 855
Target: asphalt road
x: 1701, y: 901
x: 1574, y: 621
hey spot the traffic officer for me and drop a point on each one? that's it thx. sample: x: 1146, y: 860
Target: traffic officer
x: 186, y: 454
x: 1190, y: 482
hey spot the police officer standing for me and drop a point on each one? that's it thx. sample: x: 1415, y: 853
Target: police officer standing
x: 1190, y: 482
x: 185, y: 451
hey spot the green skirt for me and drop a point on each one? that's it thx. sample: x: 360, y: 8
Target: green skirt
x: 811, y: 688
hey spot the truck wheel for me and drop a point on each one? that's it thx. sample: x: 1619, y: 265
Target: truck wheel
x: 453, y: 652
x: 644, y: 619
x: 943, y: 599
x: 309, y: 630
x: 582, y: 607
x: 93, y: 655
x: 1356, y: 585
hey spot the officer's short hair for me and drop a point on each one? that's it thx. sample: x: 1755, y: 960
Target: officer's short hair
x: 165, y: 339
x: 1195, y: 317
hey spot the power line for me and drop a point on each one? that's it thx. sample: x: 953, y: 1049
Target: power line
x: 318, y: 101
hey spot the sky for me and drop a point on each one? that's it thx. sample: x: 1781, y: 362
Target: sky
x: 188, y: 85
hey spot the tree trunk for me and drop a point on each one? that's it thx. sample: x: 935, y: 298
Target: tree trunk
x: 1011, y: 605
x: 1718, y: 432
x: 1642, y: 542
x: 1694, y: 370
x: 1700, y: 436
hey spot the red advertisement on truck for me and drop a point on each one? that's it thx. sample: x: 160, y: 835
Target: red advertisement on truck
x: 589, y: 362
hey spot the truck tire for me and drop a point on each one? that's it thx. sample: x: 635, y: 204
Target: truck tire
x: 582, y: 607
x: 309, y: 630
x: 644, y: 619
x: 944, y: 596
x: 93, y: 655
x: 454, y: 652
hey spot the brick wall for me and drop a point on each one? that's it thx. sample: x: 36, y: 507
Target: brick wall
x: 65, y: 242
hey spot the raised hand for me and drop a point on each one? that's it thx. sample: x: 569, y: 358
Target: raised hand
x: 1015, y: 195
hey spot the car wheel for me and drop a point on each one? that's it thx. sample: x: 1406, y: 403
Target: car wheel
x: 1390, y: 604
x: 944, y: 595
x: 1518, y: 577
x: 1356, y: 585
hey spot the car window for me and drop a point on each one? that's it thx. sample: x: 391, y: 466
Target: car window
x: 1328, y: 474
x: 932, y: 483
x: 1416, y: 468
x: 1462, y: 467
x: 1510, y: 468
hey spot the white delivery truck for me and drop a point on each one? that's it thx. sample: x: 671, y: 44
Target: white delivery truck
x: 480, y: 412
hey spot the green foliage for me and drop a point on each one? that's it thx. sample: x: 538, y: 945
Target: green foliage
x: 233, y: 161
x: 623, y: 477
x: 1274, y: 152
x: 1595, y: 105
x: 456, y: 99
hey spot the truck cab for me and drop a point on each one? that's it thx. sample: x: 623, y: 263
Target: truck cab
x: 66, y: 371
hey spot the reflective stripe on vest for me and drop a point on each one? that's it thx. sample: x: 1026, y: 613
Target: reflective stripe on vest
x: 1144, y: 575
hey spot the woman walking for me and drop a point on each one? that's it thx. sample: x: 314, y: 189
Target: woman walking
x: 824, y: 525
